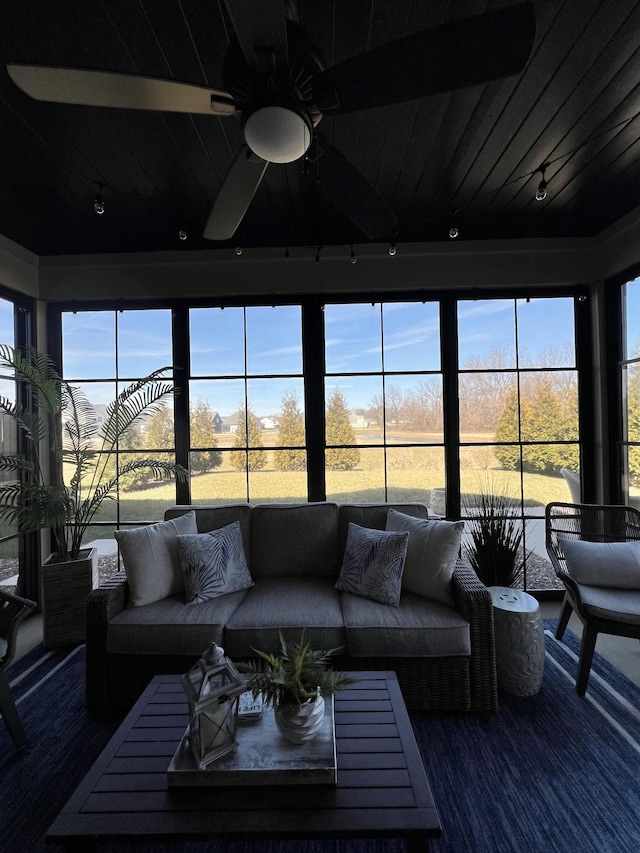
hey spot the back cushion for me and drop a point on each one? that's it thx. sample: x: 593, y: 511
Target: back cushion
x: 294, y: 540
x: 373, y: 516
x: 214, y: 517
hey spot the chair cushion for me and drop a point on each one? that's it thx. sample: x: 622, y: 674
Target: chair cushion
x: 620, y: 605
x: 418, y: 627
x: 167, y: 627
x: 291, y: 604
x: 373, y: 563
x: 294, y: 540
x: 607, y: 564
x: 432, y: 551
x: 213, y: 563
x: 151, y: 559
x: 214, y: 517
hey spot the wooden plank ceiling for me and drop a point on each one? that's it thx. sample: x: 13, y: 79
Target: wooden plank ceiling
x: 576, y: 106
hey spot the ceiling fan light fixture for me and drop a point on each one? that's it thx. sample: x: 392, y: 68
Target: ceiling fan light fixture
x: 278, y: 134
x: 98, y: 204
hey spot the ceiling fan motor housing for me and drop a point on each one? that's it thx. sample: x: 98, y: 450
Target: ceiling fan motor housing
x: 276, y: 125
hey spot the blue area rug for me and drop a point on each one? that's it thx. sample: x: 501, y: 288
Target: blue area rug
x: 548, y: 773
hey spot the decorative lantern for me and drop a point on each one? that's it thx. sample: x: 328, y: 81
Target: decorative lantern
x: 213, y: 687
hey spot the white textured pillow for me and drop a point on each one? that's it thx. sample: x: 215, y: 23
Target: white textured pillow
x: 373, y: 563
x: 213, y: 563
x: 432, y: 551
x: 151, y: 559
x: 612, y: 564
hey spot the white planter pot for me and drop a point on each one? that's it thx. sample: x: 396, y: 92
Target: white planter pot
x: 65, y: 587
x: 300, y: 723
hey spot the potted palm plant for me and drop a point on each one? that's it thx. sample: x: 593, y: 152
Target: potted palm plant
x: 296, y: 682
x: 64, y: 489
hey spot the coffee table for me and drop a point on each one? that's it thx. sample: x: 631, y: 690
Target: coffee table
x: 382, y: 789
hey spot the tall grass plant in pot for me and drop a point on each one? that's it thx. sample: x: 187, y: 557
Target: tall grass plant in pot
x: 494, y: 542
x: 64, y: 489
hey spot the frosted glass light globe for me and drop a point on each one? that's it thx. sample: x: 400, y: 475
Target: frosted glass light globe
x: 277, y: 134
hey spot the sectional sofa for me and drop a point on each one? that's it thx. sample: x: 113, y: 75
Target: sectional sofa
x: 291, y: 568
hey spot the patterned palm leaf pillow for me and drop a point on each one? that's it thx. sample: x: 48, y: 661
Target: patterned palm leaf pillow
x: 373, y: 563
x: 213, y: 563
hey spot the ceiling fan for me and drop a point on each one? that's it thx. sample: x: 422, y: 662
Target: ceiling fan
x: 278, y: 85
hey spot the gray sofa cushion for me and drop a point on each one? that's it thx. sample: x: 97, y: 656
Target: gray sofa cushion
x: 299, y: 540
x: 169, y: 627
x: 290, y: 604
x: 419, y: 627
x: 372, y: 515
x: 214, y: 517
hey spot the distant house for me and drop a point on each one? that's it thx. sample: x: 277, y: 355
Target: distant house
x: 229, y: 424
x: 269, y: 423
x: 217, y: 422
x: 359, y: 421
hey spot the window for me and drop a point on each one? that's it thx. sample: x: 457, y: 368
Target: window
x: 102, y: 353
x: 518, y: 391
x: 631, y: 392
x: 383, y: 401
x: 433, y: 400
x: 246, y: 405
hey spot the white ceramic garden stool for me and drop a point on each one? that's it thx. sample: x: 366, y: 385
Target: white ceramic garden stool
x: 519, y: 641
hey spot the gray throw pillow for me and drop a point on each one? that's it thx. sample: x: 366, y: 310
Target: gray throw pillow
x: 432, y: 551
x: 609, y: 564
x: 213, y: 563
x: 373, y: 563
x: 151, y: 559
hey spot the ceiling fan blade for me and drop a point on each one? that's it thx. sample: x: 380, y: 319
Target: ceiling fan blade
x: 453, y: 56
x: 349, y: 190
x: 110, y: 89
x: 262, y: 33
x: 238, y: 188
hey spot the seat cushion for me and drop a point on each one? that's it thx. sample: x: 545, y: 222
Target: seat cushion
x: 621, y: 605
x: 419, y: 627
x: 294, y: 540
x: 169, y: 627
x: 290, y: 604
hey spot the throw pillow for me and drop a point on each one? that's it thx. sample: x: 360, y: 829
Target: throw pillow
x: 432, y: 551
x: 151, y: 559
x: 213, y: 563
x: 612, y: 564
x: 373, y: 563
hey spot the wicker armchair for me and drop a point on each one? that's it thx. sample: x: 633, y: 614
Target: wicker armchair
x: 603, y: 592
x: 13, y: 610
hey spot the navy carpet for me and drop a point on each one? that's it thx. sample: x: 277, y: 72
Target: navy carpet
x: 548, y: 773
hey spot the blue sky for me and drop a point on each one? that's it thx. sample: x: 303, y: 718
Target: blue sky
x: 357, y: 336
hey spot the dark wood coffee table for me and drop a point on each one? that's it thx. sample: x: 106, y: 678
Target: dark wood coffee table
x: 382, y: 789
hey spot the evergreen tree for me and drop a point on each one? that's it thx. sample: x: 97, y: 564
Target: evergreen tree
x: 339, y: 432
x: 203, y: 435
x: 256, y: 458
x: 507, y: 430
x: 292, y: 435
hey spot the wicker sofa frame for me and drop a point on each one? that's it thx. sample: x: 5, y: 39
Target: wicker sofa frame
x: 114, y: 682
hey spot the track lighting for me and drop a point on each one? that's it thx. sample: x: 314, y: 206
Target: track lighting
x: 454, y: 230
x: 182, y: 235
x: 354, y: 260
x: 392, y: 248
x: 541, y: 192
x: 98, y: 204
x: 238, y: 250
